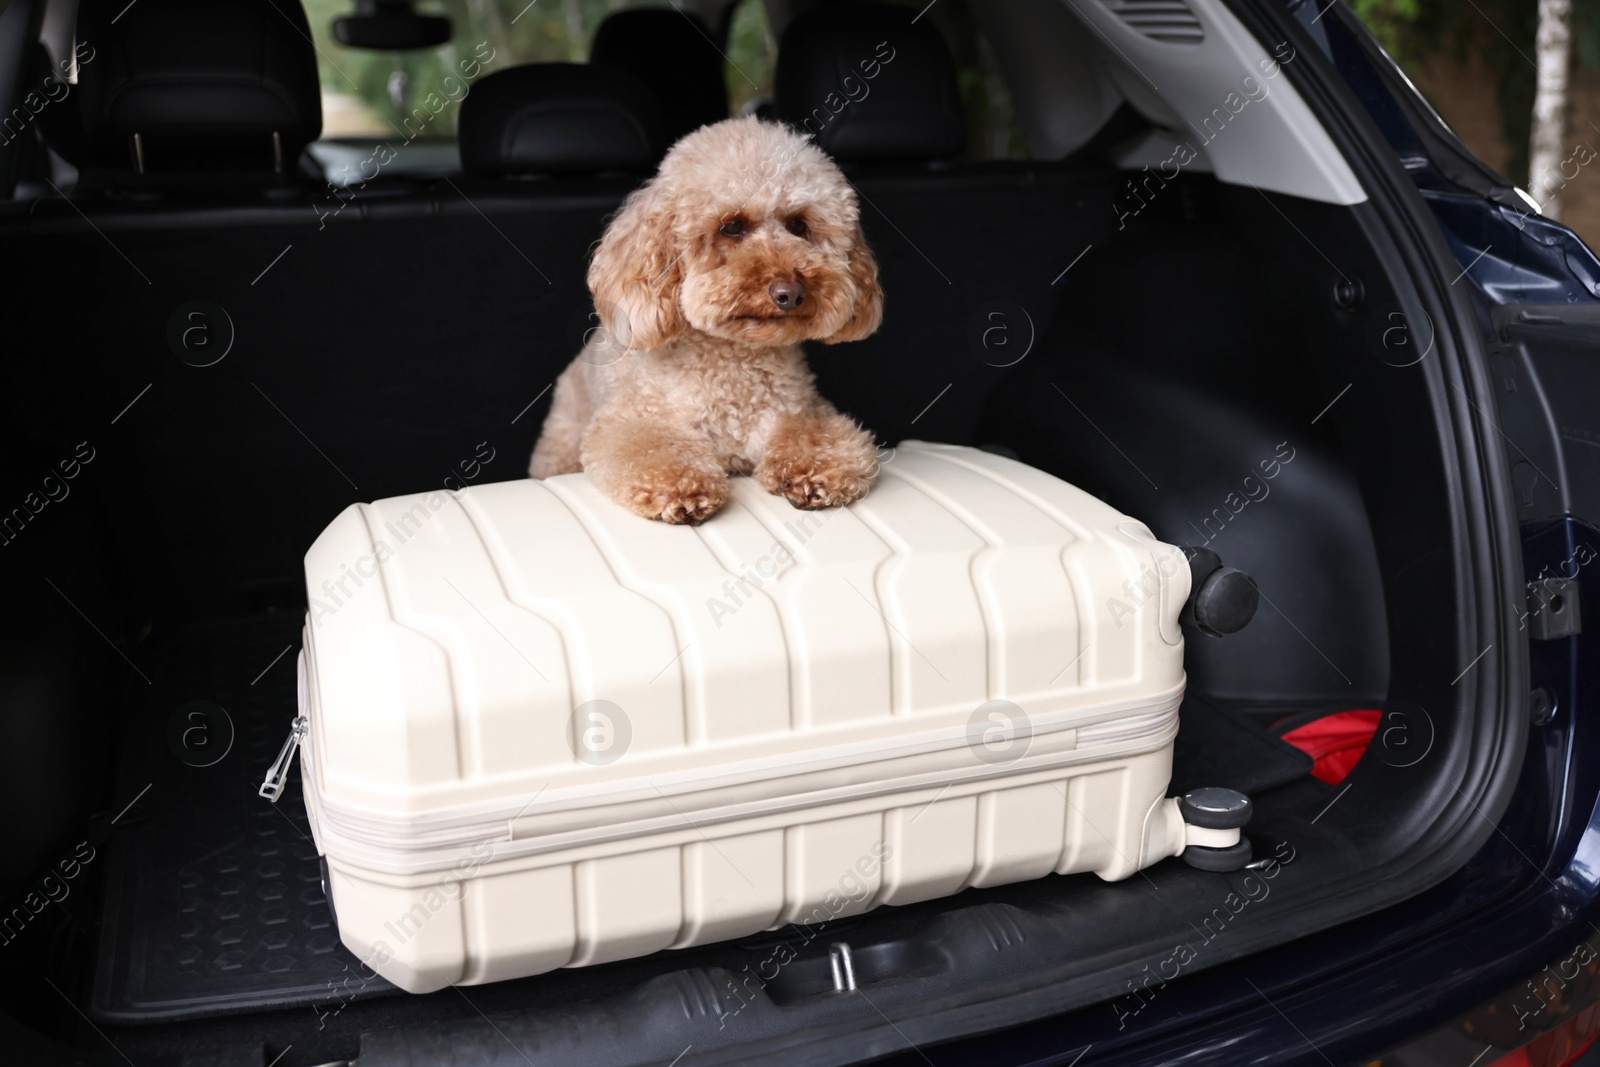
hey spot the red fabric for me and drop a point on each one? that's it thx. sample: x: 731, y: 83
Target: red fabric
x: 1335, y: 742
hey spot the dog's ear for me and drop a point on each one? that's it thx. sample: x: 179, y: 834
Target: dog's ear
x: 635, y: 274
x: 868, y: 313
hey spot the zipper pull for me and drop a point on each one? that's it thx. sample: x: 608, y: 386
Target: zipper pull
x: 278, y: 773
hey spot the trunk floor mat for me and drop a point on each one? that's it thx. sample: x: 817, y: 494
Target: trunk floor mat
x: 214, y: 901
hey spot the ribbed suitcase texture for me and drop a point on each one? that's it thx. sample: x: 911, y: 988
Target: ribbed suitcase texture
x: 544, y: 732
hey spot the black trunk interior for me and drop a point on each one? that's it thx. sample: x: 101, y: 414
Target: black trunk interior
x: 1166, y: 365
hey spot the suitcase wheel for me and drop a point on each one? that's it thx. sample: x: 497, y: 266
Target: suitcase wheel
x: 1215, y: 808
x: 1232, y: 858
x: 1222, y: 600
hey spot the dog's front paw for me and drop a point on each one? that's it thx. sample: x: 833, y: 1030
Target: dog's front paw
x: 813, y: 462
x: 810, y: 485
x: 685, y: 496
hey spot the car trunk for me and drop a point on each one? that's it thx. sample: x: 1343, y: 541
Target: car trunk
x: 1278, y: 379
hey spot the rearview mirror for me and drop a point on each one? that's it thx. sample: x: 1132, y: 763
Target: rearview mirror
x: 390, y: 26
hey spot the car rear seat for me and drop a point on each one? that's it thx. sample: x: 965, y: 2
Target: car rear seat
x: 968, y: 251
x: 549, y: 118
x: 672, y: 55
x: 373, y: 349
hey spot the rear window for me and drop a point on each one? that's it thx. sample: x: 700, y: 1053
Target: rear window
x: 416, y: 95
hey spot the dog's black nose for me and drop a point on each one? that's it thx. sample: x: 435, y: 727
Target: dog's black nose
x: 787, y: 293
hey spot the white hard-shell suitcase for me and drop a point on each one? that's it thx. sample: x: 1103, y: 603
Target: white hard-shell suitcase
x: 539, y: 731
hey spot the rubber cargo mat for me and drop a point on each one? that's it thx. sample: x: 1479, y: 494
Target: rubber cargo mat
x: 214, y: 901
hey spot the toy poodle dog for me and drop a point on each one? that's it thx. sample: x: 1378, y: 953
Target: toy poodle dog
x: 746, y: 242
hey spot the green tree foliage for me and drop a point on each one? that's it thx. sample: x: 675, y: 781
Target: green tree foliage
x: 1389, y: 20
x: 752, y: 54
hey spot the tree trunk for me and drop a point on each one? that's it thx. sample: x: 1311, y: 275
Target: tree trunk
x: 577, y: 38
x: 486, y: 15
x: 1552, y: 46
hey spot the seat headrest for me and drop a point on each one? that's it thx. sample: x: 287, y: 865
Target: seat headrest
x: 869, y: 83
x: 205, y: 85
x: 673, y: 57
x: 558, y: 118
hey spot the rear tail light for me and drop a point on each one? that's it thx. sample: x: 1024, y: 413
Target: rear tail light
x: 1559, y: 1047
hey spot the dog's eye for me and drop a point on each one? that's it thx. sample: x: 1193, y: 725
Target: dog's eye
x: 733, y: 228
x: 797, y: 226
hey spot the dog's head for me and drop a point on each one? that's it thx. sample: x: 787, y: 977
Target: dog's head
x: 748, y: 232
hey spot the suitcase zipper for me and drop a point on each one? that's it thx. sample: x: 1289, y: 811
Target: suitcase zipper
x: 1115, y: 731
x: 497, y: 828
x: 278, y: 773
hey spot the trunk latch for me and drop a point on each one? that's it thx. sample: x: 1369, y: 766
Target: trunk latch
x: 1553, y: 609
